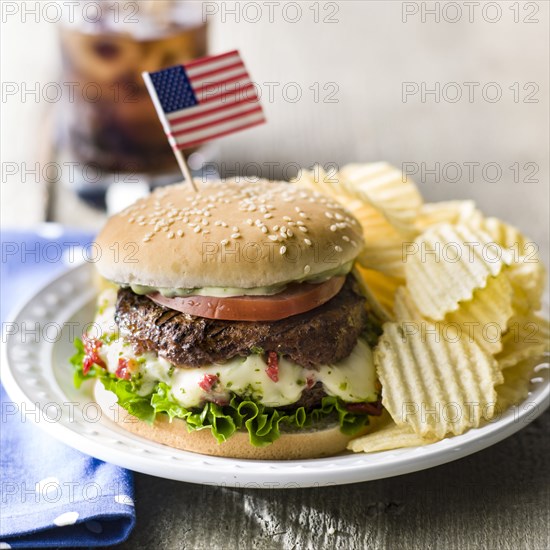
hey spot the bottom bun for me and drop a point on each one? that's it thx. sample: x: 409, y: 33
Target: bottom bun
x: 325, y: 440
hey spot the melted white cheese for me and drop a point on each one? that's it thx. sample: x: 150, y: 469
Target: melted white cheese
x: 353, y: 379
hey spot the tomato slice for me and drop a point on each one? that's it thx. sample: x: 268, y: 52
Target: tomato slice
x: 295, y: 299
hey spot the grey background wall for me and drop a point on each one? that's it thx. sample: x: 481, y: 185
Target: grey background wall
x: 351, y: 61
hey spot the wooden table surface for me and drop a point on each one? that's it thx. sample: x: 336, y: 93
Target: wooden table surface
x: 495, y: 499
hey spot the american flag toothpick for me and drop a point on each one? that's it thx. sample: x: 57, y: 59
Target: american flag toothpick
x: 203, y: 100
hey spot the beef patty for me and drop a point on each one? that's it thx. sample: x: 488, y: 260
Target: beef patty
x: 322, y: 336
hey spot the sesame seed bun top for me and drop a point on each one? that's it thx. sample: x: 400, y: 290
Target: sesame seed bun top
x: 229, y: 234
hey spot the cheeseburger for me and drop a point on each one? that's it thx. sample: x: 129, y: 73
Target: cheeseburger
x: 234, y: 324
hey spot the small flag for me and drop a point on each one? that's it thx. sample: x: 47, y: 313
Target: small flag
x: 205, y: 99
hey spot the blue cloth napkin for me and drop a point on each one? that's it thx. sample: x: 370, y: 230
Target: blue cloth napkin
x: 51, y: 495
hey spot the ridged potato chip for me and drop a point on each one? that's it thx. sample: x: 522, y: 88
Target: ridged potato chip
x: 319, y: 180
x: 383, y: 242
x: 332, y: 185
x: 452, y: 212
x: 385, y: 205
x: 387, y: 189
x: 404, y: 308
x: 486, y: 316
x: 383, y: 250
x: 515, y: 387
x: 506, y: 235
x: 528, y: 281
x: 466, y: 339
x: 395, y: 203
x: 526, y: 273
x: 380, y: 289
x: 483, y: 319
x: 386, y: 257
x: 446, y: 264
x: 436, y: 385
x: 388, y: 437
x: 527, y: 337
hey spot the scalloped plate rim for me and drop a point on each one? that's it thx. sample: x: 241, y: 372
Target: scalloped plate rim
x: 118, y: 446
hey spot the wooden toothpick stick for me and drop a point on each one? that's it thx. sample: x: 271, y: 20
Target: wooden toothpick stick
x: 162, y: 116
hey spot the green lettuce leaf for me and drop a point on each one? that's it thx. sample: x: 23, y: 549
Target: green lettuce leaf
x: 262, y: 423
x: 128, y: 398
x: 76, y: 361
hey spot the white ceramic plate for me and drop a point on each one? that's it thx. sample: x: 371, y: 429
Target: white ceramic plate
x: 37, y: 375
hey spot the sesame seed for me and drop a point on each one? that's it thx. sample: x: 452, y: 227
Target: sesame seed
x: 146, y: 239
x: 275, y: 228
x: 170, y: 235
x: 353, y: 243
x: 291, y: 224
x: 179, y: 233
x: 345, y: 238
x: 308, y: 242
x: 287, y: 218
x: 303, y: 229
x: 131, y: 220
x: 303, y: 215
x: 272, y: 237
x: 249, y: 221
x: 235, y: 229
x: 264, y: 229
x: 333, y: 228
x: 205, y: 222
x: 307, y: 269
x: 235, y: 235
x: 329, y: 215
x: 197, y: 229
x: 282, y: 250
x: 141, y: 223
x: 299, y: 222
x: 338, y: 248
x: 289, y: 232
x: 339, y: 216
x: 268, y: 216
x: 297, y: 208
x: 224, y: 242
